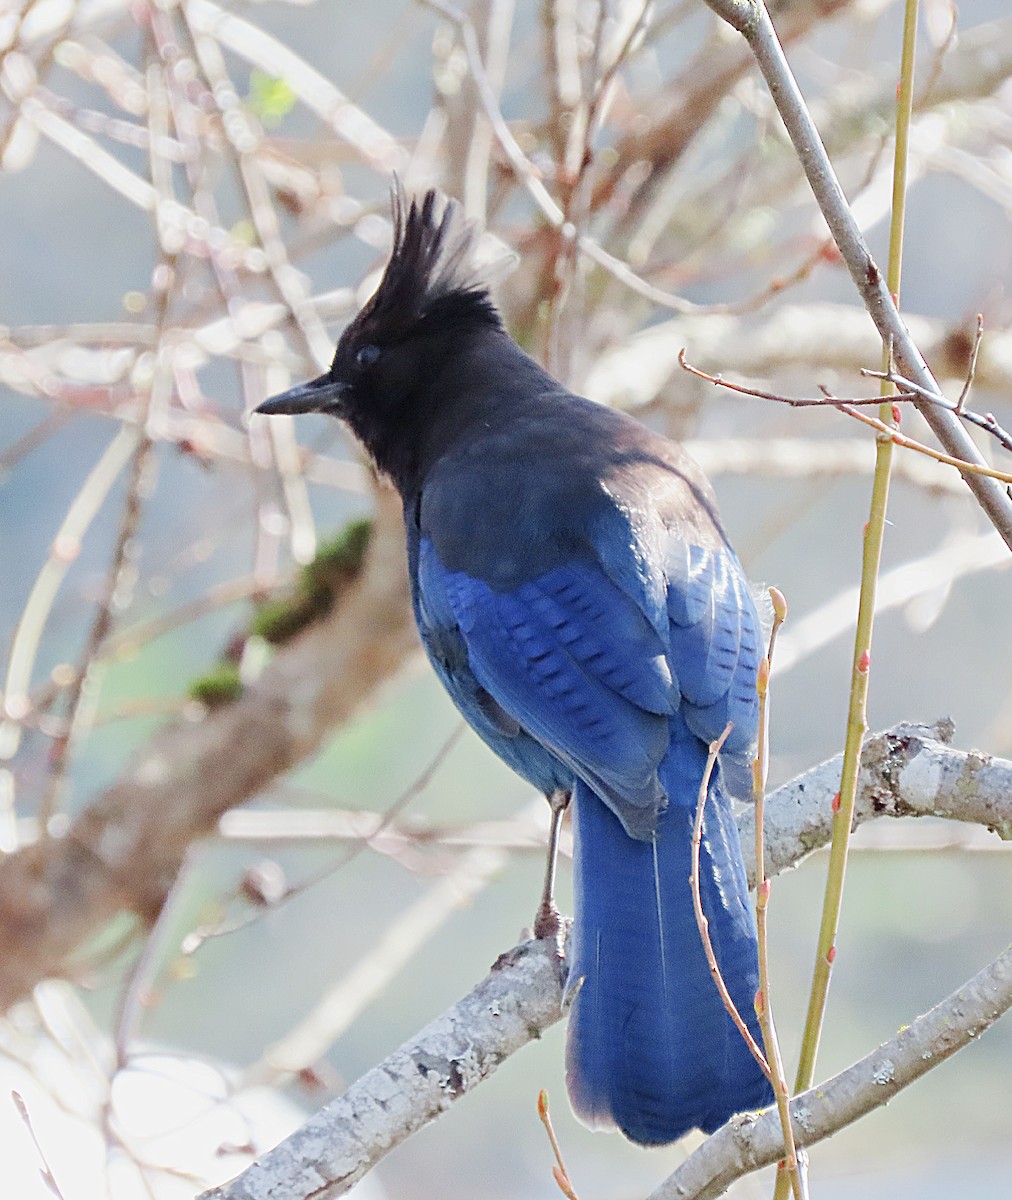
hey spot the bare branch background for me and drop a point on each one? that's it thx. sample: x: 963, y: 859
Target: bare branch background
x: 195, y: 202
x: 906, y: 772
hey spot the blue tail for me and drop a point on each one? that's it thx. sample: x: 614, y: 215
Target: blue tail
x: 650, y: 1047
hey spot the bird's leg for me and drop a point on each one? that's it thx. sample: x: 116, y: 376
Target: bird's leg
x: 547, y: 922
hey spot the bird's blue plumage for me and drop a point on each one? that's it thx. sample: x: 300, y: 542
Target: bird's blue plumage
x: 593, y: 697
x: 577, y: 595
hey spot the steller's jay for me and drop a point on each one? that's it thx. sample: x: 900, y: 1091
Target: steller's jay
x: 577, y: 595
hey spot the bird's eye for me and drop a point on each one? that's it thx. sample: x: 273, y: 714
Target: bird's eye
x: 365, y: 356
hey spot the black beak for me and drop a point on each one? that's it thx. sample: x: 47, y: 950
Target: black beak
x: 319, y: 395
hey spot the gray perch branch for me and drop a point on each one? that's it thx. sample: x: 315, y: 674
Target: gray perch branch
x: 747, y: 1143
x: 906, y: 771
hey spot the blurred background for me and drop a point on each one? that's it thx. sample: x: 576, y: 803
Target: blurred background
x: 195, y: 201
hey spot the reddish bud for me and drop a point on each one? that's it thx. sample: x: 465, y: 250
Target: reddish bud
x: 864, y: 662
x: 542, y: 1104
x: 836, y: 803
x: 896, y: 414
x: 311, y: 1079
x: 831, y: 955
x: 762, y: 679
x: 759, y: 1004
x: 764, y: 889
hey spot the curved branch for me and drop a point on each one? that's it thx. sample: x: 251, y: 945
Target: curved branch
x: 747, y: 1143
x: 125, y: 849
x: 752, y: 21
x: 906, y: 771
x: 519, y: 999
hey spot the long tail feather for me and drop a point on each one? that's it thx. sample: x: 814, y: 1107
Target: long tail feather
x: 650, y: 1046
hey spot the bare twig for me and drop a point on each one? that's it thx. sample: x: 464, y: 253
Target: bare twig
x: 985, y: 421
x: 747, y: 1143
x: 48, y: 1178
x: 823, y: 401
x: 32, y: 622
x: 522, y: 997
x: 764, y: 1001
x: 971, y: 369
x: 702, y: 921
x: 852, y: 408
x: 752, y: 20
x: 559, y: 1171
x: 517, y: 1001
x: 140, y: 980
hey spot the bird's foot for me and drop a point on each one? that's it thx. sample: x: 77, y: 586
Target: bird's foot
x: 551, y: 927
x: 547, y: 920
x: 548, y: 923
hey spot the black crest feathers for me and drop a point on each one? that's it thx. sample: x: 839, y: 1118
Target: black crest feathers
x: 432, y: 267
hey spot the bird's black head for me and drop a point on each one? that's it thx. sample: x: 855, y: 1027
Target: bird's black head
x: 428, y: 304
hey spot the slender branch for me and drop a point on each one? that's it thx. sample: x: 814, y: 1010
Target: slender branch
x: 852, y: 408
x: 124, y: 850
x: 985, y: 421
x: 816, y: 338
x: 792, y: 1165
x: 46, y: 1171
x: 702, y: 921
x: 516, y: 1002
x: 752, y: 20
x: 119, y: 575
x: 871, y: 559
x: 824, y: 401
x: 747, y: 1143
x: 905, y: 772
x: 38, y: 608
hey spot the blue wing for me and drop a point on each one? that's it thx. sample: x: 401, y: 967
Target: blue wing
x: 567, y: 675
x: 714, y: 647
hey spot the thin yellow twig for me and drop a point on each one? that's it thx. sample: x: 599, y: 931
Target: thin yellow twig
x: 892, y: 434
x: 764, y: 1003
x: 851, y: 408
x: 697, y: 903
x: 844, y: 804
x: 559, y: 1172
